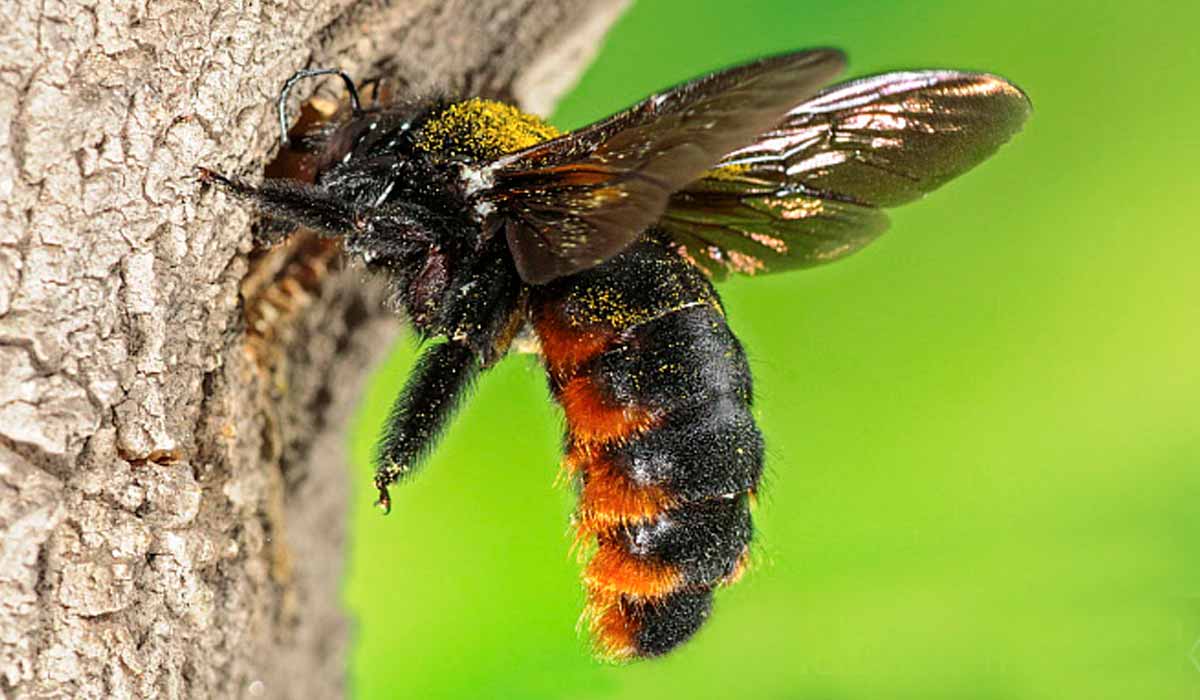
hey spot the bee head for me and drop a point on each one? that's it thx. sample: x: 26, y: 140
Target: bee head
x: 370, y: 158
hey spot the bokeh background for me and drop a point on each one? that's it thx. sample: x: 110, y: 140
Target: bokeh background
x: 983, y: 430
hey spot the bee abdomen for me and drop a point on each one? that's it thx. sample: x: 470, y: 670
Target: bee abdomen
x: 661, y: 435
x: 656, y: 392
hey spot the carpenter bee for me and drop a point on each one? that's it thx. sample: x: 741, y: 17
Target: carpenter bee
x: 603, y: 244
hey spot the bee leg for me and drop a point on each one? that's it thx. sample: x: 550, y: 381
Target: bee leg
x: 296, y: 202
x: 436, y: 387
x: 290, y: 203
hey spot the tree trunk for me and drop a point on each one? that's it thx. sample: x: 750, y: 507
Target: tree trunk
x: 171, y: 462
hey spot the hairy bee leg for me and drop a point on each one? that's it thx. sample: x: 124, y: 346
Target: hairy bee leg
x: 297, y: 202
x: 435, y: 389
x: 302, y: 204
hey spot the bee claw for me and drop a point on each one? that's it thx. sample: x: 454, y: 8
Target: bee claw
x: 212, y: 177
x: 385, y: 501
x: 209, y: 176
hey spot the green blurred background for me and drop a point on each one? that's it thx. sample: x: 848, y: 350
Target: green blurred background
x: 983, y: 434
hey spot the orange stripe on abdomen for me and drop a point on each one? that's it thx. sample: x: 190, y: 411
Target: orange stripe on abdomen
x: 565, y: 348
x: 609, y: 499
x: 615, y: 570
x: 594, y: 419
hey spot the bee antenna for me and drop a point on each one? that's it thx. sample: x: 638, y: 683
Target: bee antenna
x: 299, y: 75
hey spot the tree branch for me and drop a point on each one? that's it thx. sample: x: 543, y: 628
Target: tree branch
x: 171, y: 455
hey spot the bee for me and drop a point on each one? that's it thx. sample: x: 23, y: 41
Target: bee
x: 602, y: 245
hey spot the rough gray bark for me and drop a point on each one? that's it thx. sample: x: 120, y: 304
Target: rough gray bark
x: 172, y: 490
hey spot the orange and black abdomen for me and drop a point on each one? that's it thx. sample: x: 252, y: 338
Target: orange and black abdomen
x: 656, y: 392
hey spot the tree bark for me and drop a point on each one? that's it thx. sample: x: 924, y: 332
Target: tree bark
x: 172, y: 480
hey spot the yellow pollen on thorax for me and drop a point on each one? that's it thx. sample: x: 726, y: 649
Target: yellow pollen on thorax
x: 482, y: 129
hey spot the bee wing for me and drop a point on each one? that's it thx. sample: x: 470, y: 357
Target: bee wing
x: 571, y: 203
x: 810, y: 190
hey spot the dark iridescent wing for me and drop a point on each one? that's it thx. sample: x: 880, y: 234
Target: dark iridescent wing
x: 810, y: 190
x: 575, y: 201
